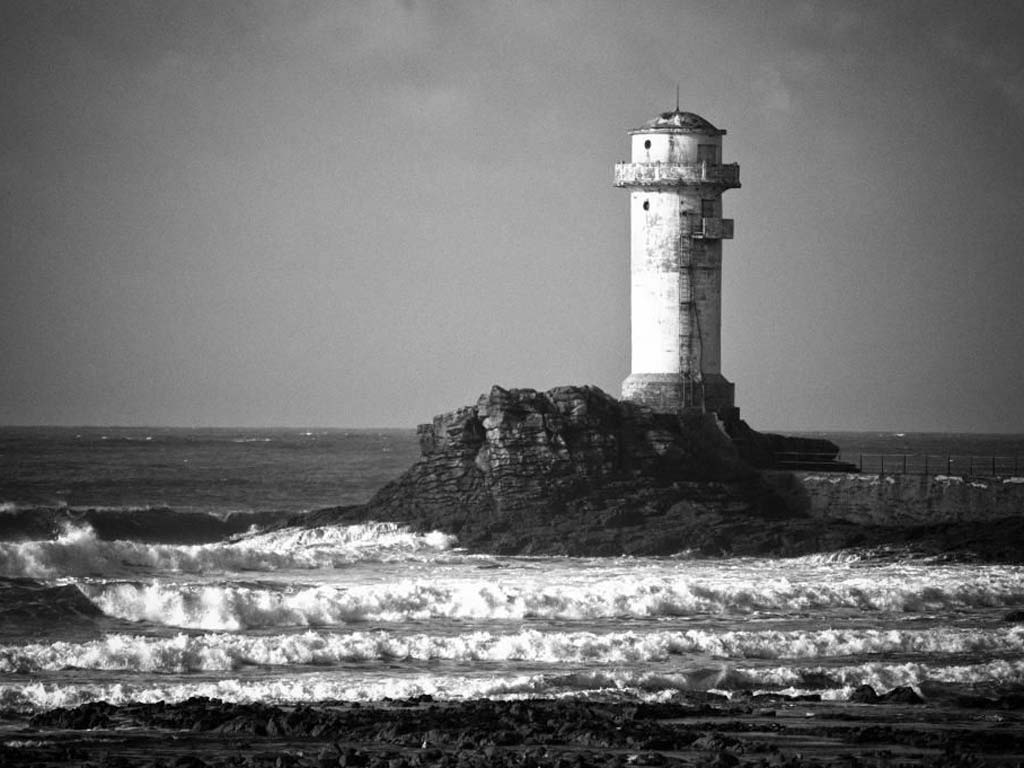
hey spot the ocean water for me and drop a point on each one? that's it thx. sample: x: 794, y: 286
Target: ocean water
x: 142, y: 565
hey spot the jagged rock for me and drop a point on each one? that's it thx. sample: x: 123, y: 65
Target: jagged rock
x: 573, y: 471
x: 765, y: 450
x: 902, y: 694
x: 520, y: 449
x: 864, y: 694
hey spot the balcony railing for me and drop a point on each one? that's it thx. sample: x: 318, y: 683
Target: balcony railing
x: 671, y: 174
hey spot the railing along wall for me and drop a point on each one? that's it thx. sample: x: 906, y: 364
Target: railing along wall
x: 911, y: 463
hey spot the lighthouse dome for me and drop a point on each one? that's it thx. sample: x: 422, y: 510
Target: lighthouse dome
x: 678, y: 121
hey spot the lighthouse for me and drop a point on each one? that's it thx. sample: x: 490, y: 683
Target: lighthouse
x: 675, y: 179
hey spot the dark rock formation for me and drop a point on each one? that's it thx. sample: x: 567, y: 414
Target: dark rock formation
x: 902, y: 694
x: 519, y: 449
x: 765, y: 450
x: 574, y: 471
x: 693, y: 729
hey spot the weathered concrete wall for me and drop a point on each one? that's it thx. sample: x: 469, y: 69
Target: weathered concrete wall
x: 681, y: 148
x: 675, y: 283
x: 900, y: 500
x: 705, y: 275
x: 655, y: 235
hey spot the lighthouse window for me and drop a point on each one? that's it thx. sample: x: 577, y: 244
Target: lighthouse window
x: 707, y: 153
x: 647, y: 144
x: 647, y: 205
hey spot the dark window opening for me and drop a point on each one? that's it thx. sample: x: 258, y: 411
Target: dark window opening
x: 647, y: 144
x: 707, y: 153
x: 647, y: 205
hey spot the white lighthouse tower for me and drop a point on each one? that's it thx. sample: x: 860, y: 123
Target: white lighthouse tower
x: 676, y: 178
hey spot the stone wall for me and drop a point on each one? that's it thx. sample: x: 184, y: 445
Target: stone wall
x: 901, y: 500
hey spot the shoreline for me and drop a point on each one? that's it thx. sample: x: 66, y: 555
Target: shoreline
x: 898, y: 728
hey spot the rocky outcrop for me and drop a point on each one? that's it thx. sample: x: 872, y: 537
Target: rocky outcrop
x: 765, y: 450
x: 574, y: 471
x: 693, y: 728
x: 522, y: 449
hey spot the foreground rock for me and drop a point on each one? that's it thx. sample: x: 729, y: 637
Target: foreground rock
x: 694, y: 729
x: 573, y: 471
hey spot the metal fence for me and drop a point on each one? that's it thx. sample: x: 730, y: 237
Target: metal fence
x: 911, y: 463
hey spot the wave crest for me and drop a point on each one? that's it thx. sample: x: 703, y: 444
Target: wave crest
x: 78, y: 551
x: 836, y: 683
x: 234, y: 606
x: 225, y: 652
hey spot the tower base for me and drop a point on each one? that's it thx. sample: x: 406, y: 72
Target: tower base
x: 673, y: 392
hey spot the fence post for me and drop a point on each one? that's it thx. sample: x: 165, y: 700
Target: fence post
x: 971, y: 470
x: 904, y: 463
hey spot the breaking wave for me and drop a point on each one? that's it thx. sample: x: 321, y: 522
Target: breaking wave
x: 78, y: 551
x: 836, y: 683
x: 224, y: 652
x: 234, y: 606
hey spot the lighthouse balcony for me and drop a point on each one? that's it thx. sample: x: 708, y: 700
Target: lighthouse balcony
x: 710, y: 229
x: 725, y: 176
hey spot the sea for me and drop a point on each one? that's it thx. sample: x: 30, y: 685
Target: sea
x: 145, y: 564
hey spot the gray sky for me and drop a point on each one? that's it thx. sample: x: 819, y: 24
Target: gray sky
x: 363, y: 214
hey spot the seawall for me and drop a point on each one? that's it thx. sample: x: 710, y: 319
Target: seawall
x: 900, y: 500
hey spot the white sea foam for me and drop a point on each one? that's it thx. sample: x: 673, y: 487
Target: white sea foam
x: 835, y: 478
x: 79, y: 552
x: 234, y: 606
x: 308, y: 688
x: 227, y: 652
x: 884, y: 676
x: 844, y: 556
x: 830, y: 682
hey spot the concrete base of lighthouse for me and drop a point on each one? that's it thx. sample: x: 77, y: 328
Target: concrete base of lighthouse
x: 673, y: 392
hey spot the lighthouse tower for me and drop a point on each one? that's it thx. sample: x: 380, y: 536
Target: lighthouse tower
x: 675, y: 179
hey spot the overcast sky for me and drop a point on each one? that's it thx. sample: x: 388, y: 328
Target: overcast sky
x: 365, y: 213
